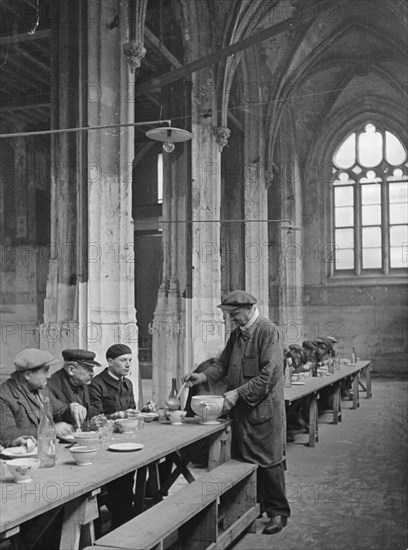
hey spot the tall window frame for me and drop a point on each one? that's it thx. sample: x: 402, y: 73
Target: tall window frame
x: 369, y: 198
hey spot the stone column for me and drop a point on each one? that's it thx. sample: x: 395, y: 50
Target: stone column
x: 206, y: 319
x: 68, y: 246
x: 110, y: 289
x: 290, y: 276
x: 256, y: 208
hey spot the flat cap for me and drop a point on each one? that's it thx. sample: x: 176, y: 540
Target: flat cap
x: 235, y: 299
x: 295, y: 347
x: 331, y: 339
x: 117, y: 350
x: 81, y: 356
x: 308, y: 344
x: 33, y: 358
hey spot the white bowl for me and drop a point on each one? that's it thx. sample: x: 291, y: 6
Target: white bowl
x: 22, y: 468
x: 208, y: 407
x: 127, y: 425
x: 87, y: 439
x: 176, y: 417
x: 83, y: 455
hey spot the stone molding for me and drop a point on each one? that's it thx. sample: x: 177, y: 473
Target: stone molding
x: 221, y: 133
x: 134, y: 52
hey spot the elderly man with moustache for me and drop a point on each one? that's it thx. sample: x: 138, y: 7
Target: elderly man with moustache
x: 252, y: 362
x: 70, y: 384
x: 22, y: 397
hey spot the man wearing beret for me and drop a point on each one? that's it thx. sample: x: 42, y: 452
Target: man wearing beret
x: 110, y: 391
x: 22, y: 397
x: 252, y: 362
x: 70, y: 384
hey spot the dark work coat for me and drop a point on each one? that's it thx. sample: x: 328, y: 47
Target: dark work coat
x: 20, y: 410
x: 252, y: 362
x: 60, y: 386
x: 109, y: 395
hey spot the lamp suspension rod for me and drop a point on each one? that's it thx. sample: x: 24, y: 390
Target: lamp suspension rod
x: 83, y: 129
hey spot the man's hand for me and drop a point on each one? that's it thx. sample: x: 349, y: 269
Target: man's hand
x: 78, y: 413
x: 194, y: 379
x: 230, y: 398
x: 63, y: 429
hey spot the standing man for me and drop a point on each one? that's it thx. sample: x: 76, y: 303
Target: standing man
x: 70, y: 384
x: 111, y: 392
x: 252, y: 362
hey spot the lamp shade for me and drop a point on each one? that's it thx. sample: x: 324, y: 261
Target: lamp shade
x: 166, y: 133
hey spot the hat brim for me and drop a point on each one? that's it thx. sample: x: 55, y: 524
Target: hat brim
x: 228, y: 308
x: 233, y: 307
x: 88, y: 363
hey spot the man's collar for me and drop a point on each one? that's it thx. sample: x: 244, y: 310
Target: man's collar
x: 115, y: 377
x: 252, y: 320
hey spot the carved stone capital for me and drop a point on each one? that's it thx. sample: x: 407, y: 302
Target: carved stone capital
x: 134, y: 52
x: 221, y: 134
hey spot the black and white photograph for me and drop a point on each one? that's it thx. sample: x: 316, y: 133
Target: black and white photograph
x: 203, y: 274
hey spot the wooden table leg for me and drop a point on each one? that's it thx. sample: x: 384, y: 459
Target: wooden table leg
x: 356, y: 400
x: 78, y: 520
x: 368, y: 381
x: 313, y: 421
x: 140, y: 490
x: 337, y: 404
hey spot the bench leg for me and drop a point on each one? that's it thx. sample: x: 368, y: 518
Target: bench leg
x: 220, y: 449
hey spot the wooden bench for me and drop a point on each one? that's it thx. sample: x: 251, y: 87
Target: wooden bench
x: 209, y: 513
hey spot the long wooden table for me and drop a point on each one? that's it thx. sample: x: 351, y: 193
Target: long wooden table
x: 307, y: 395
x: 75, y: 487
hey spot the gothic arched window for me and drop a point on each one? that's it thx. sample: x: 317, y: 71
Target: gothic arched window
x: 370, y: 203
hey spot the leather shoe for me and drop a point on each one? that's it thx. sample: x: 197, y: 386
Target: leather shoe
x: 274, y: 525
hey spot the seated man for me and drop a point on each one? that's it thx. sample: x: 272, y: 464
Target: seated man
x: 111, y: 393
x: 22, y: 397
x: 70, y: 384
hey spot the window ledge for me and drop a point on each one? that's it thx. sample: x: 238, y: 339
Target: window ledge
x: 368, y: 280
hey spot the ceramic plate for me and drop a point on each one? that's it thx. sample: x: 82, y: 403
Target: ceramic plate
x: 125, y: 447
x: 298, y: 383
x: 18, y: 452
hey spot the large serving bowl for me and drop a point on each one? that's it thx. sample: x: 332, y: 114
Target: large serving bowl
x: 208, y: 407
x: 83, y: 455
x: 22, y: 468
x: 87, y: 439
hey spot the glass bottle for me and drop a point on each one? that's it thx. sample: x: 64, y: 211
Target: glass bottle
x: 353, y: 357
x: 47, y: 437
x: 173, y: 402
x: 173, y: 391
x: 288, y: 373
